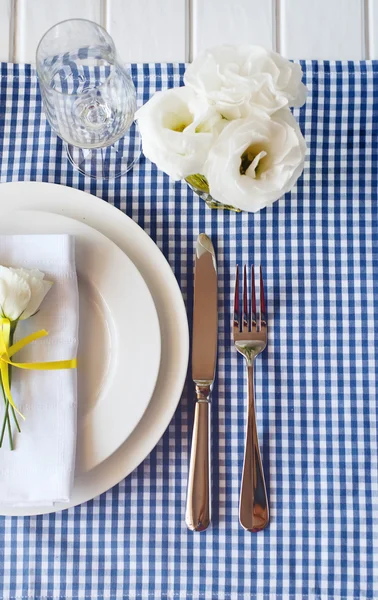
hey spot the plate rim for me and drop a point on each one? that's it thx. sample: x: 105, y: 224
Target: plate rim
x: 93, y: 237
x: 121, y: 226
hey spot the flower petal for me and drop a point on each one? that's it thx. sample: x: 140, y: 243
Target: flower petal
x: 256, y: 160
x: 38, y: 289
x: 15, y: 294
x: 237, y: 78
x: 177, y: 131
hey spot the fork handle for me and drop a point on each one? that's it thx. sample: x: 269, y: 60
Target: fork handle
x: 197, y: 516
x: 253, y: 509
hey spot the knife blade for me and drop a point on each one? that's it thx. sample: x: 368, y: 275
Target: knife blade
x: 204, y: 356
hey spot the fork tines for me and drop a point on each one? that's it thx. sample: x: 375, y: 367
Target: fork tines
x: 250, y: 318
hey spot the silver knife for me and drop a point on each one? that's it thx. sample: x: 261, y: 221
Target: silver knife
x: 204, y: 356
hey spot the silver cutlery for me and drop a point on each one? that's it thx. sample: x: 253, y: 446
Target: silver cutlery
x: 250, y: 337
x: 204, y: 355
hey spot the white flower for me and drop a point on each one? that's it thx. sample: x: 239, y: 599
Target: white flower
x: 15, y: 294
x: 39, y: 287
x: 21, y: 292
x: 256, y: 160
x: 236, y: 78
x: 177, y: 131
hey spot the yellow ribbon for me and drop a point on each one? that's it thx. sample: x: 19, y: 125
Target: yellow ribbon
x: 6, y: 352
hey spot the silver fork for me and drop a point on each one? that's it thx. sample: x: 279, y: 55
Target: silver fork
x: 250, y: 336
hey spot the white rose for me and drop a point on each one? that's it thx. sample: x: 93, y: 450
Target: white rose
x: 39, y: 286
x: 177, y: 131
x: 236, y: 78
x: 14, y: 294
x: 21, y: 292
x: 256, y: 160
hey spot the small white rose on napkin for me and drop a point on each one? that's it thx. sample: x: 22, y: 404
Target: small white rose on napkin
x: 256, y: 160
x: 39, y: 286
x: 21, y: 292
x: 236, y: 78
x: 177, y: 131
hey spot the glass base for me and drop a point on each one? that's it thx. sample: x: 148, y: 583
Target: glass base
x: 110, y: 162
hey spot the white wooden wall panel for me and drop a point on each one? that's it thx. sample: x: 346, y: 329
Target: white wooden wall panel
x: 6, y: 28
x: 217, y: 22
x: 34, y: 17
x: 329, y: 29
x: 371, y: 27
x: 149, y: 30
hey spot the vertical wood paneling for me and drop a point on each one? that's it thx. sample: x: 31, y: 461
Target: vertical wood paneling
x: 149, y: 30
x: 329, y: 29
x: 218, y: 22
x: 34, y: 17
x: 372, y: 27
x: 176, y: 30
x: 6, y: 30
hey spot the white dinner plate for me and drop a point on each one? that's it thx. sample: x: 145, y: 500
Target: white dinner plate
x: 117, y: 315
x: 172, y: 318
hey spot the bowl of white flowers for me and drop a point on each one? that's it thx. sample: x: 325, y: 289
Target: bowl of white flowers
x: 229, y: 131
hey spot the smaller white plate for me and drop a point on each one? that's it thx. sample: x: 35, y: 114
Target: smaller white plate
x: 119, y: 336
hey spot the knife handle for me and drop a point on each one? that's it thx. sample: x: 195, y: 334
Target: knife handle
x: 199, y: 486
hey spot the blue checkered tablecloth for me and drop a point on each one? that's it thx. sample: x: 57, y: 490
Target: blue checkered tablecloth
x: 317, y: 408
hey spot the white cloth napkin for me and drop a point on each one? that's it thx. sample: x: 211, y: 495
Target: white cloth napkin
x: 40, y: 470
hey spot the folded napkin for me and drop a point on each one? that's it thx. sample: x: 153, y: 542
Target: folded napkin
x: 40, y: 470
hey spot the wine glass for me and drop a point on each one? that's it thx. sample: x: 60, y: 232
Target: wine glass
x: 89, y: 98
